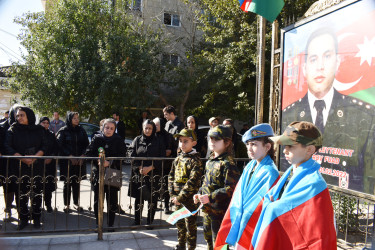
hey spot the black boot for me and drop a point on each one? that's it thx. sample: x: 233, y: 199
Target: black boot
x: 22, y: 225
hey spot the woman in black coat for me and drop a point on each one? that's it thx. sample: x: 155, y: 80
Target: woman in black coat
x: 73, y: 141
x: 145, y: 178
x: 49, y: 164
x: 9, y: 188
x: 168, y: 141
x: 26, y: 138
x: 114, y: 146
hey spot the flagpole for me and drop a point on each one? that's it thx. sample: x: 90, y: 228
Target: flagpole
x: 261, y: 47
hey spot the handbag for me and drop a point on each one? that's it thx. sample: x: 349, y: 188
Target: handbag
x: 113, y: 177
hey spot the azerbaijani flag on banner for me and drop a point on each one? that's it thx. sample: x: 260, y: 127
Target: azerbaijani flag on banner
x: 302, y: 218
x: 246, y: 205
x: 269, y: 9
x: 181, y: 214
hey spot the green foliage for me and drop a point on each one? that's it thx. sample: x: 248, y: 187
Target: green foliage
x: 347, y: 212
x: 84, y: 55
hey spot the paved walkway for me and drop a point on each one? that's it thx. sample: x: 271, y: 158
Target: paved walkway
x: 155, y: 239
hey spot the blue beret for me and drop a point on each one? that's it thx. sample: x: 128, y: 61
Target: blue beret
x: 257, y: 131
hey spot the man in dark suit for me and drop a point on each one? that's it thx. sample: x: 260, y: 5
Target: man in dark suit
x: 347, y: 124
x: 120, y: 125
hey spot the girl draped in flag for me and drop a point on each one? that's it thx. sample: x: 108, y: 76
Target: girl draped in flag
x: 219, y: 181
x: 258, y: 177
x: 297, y: 212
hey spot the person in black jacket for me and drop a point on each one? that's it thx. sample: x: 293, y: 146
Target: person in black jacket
x: 120, y: 125
x: 144, y: 183
x: 9, y: 188
x: 168, y: 142
x: 25, y: 138
x: 73, y: 141
x: 49, y: 164
x: 114, y: 146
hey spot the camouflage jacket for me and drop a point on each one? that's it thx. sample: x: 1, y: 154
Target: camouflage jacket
x: 219, y: 183
x: 185, y: 178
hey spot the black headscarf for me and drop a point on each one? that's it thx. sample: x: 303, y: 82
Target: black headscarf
x: 43, y: 118
x: 30, y: 115
x: 12, y: 116
x: 69, y: 118
x: 149, y: 138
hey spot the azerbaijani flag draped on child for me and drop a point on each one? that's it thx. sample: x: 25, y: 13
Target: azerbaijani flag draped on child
x: 302, y: 218
x: 269, y: 9
x: 246, y: 204
x: 181, y: 214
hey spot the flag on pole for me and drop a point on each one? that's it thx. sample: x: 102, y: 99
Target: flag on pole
x: 181, y: 214
x: 269, y: 9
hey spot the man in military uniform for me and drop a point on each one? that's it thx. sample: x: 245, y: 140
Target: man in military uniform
x: 183, y: 182
x: 347, y: 124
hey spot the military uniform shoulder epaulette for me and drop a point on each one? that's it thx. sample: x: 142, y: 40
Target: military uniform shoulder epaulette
x: 364, y: 106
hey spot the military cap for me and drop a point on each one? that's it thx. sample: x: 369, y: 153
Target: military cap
x: 302, y: 132
x: 220, y: 132
x: 186, y: 132
x: 212, y: 119
x: 257, y: 131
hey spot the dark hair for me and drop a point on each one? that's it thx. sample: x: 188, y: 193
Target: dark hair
x: 43, y: 118
x: 196, y: 123
x: 169, y: 109
x: 229, y: 120
x: 229, y: 149
x: 316, y: 147
x: 149, y: 121
x: 116, y: 113
x: 265, y: 140
x: 320, y: 32
x: 6, y: 112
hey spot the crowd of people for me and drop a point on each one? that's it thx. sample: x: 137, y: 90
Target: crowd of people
x: 242, y: 210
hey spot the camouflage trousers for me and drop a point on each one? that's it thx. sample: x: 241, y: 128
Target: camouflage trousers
x: 211, y: 226
x: 187, y: 231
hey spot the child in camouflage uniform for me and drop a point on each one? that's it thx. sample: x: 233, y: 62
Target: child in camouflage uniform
x: 183, y: 182
x: 219, y: 182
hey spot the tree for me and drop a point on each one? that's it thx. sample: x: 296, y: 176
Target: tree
x: 231, y: 40
x: 87, y: 56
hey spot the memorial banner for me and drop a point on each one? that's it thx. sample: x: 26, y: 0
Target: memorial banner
x: 328, y: 78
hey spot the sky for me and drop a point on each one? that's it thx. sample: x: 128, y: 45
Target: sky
x: 10, y: 48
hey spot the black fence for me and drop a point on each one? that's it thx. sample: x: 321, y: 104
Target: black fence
x: 39, y: 182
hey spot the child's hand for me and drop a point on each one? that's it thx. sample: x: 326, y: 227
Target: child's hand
x: 175, y: 201
x: 204, y: 199
x: 196, y: 198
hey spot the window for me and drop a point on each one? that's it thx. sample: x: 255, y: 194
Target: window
x: 172, y: 20
x: 173, y: 60
x: 136, y: 5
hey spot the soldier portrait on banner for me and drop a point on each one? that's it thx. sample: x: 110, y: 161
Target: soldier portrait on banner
x: 329, y: 79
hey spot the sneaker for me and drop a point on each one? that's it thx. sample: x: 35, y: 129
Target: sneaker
x: 121, y: 211
x: 22, y: 225
x: 78, y: 208
x: 66, y: 209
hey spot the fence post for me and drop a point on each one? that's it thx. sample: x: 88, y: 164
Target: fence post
x: 101, y: 194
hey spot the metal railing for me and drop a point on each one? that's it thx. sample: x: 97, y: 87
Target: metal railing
x: 354, y: 211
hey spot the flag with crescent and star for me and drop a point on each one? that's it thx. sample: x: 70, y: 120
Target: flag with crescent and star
x: 356, y: 49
